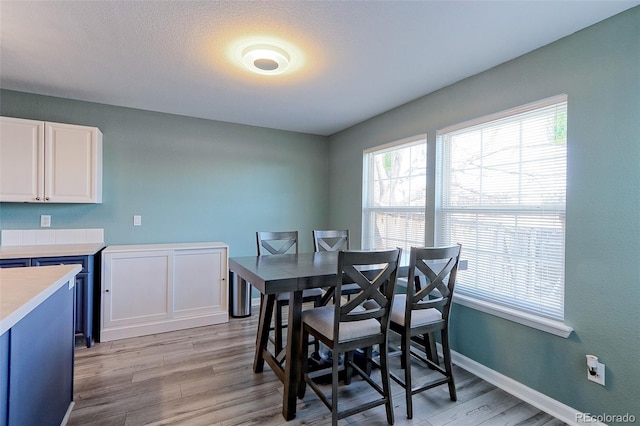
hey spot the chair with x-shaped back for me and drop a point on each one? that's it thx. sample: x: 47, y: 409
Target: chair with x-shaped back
x: 347, y: 325
x: 423, y: 311
x: 270, y: 243
x: 334, y: 240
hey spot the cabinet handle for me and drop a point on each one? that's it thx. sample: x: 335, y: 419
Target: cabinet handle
x: 107, y: 291
x: 37, y: 198
x: 46, y: 198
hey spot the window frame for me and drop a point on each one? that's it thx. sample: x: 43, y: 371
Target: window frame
x: 432, y: 192
x: 552, y: 325
x: 367, y: 189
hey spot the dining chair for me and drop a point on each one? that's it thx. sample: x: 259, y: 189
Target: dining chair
x: 333, y: 240
x: 346, y: 326
x: 282, y: 242
x: 424, y: 310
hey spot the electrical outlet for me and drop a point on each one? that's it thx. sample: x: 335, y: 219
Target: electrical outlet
x: 45, y: 221
x: 137, y: 220
x: 595, y: 370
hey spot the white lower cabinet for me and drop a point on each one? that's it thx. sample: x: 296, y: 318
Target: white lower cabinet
x: 155, y: 288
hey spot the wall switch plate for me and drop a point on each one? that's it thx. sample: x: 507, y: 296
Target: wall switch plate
x: 137, y: 220
x: 45, y: 221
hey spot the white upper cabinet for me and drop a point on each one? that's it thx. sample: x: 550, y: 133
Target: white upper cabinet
x: 49, y: 162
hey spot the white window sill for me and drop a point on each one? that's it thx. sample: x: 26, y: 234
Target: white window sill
x: 530, y: 320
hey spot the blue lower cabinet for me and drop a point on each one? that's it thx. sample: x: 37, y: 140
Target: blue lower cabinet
x: 85, y: 284
x: 4, y: 378
x: 36, y: 379
x: 84, y: 290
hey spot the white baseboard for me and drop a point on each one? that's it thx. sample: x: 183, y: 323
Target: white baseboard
x: 162, y: 326
x: 543, y: 402
x: 67, y: 415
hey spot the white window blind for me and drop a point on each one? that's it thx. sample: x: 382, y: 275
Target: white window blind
x: 501, y: 188
x: 394, y: 195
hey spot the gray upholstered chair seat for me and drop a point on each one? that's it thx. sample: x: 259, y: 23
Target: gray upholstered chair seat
x: 322, y: 318
x: 419, y: 317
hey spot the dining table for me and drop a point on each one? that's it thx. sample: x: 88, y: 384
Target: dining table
x: 292, y: 273
x: 281, y: 273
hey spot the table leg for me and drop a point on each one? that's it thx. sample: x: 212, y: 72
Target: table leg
x: 264, y: 324
x: 259, y: 318
x: 293, y: 369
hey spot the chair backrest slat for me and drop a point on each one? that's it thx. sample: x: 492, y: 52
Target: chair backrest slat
x: 375, y: 272
x: 438, y: 266
x: 330, y: 240
x: 276, y: 242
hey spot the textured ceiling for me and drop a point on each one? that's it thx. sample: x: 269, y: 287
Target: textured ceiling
x: 355, y: 59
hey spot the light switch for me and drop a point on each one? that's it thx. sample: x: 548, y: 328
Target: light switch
x: 45, y: 220
x: 137, y: 220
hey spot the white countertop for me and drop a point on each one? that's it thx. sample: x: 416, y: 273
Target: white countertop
x: 24, y: 289
x: 50, y: 250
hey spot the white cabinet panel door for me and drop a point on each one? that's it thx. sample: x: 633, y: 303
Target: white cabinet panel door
x: 73, y: 164
x: 199, y: 274
x: 21, y: 160
x: 136, y: 288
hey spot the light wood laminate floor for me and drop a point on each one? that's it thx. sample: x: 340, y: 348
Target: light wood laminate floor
x: 204, y: 376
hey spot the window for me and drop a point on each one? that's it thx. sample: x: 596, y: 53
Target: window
x: 500, y: 192
x: 394, y: 195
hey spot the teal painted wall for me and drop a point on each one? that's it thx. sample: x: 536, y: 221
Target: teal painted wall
x: 190, y: 179
x: 599, y: 69
x: 200, y: 180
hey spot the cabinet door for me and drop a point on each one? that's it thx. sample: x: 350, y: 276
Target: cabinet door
x: 135, y: 288
x: 15, y: 263
x: 73, y: 164
x: 82, y: 306
x: 21, y: 160
x: 198, y: 276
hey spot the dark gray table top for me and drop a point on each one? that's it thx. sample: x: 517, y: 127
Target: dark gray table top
x: 287, y: 272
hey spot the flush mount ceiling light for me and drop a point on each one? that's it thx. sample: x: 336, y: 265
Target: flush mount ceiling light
x: 266, y: 60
